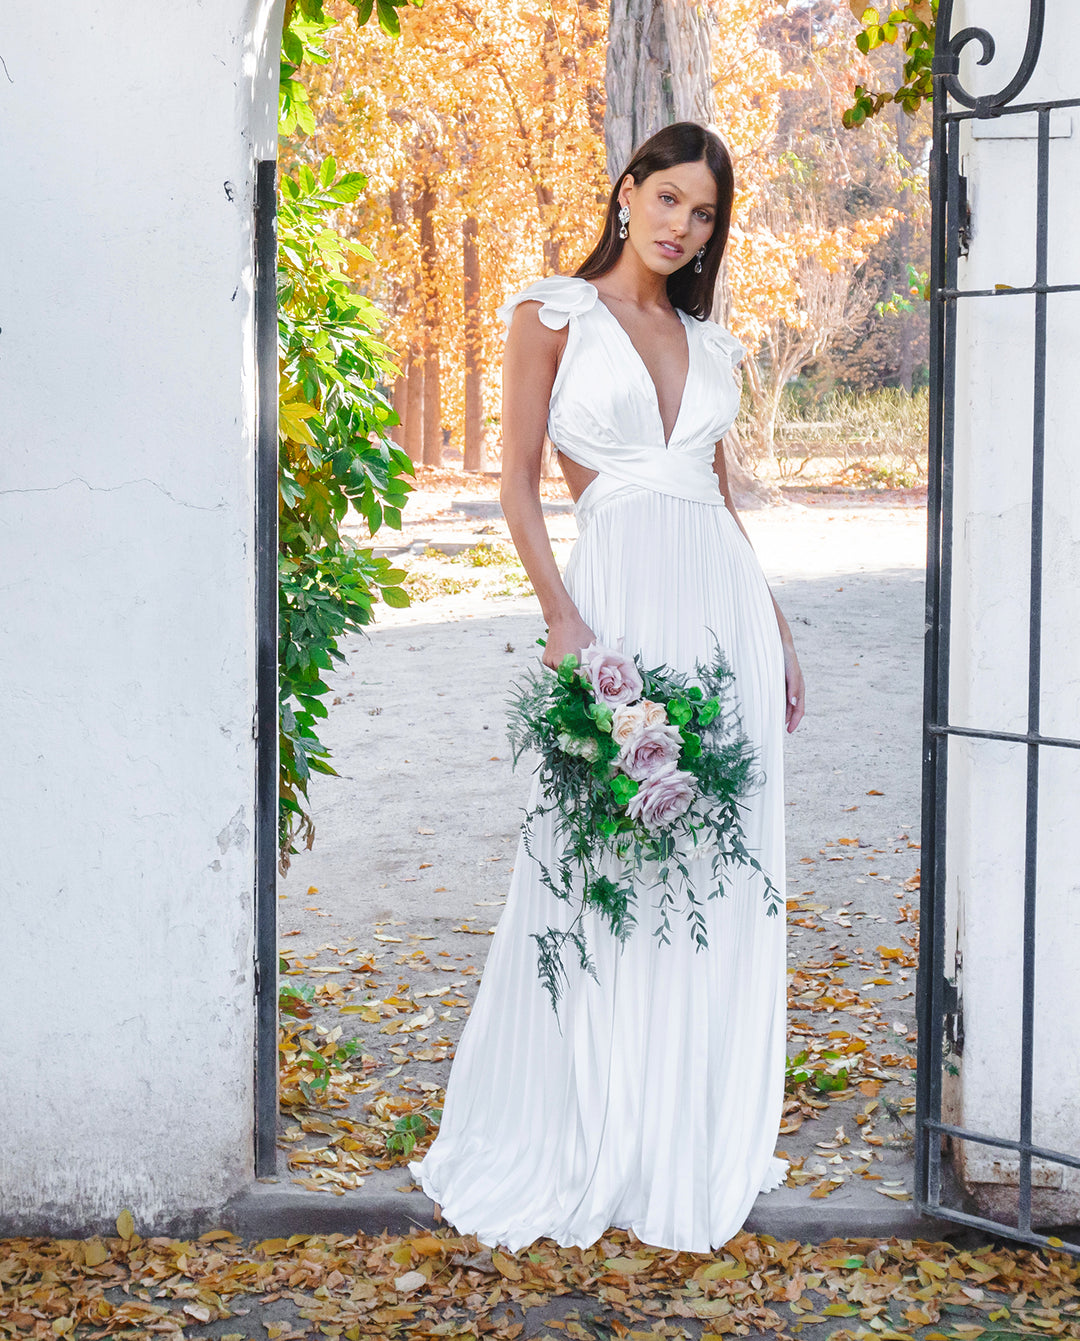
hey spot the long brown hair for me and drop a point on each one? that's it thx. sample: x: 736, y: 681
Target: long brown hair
x: 682, y: 142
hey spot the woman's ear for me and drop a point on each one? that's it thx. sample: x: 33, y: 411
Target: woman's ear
x: 626, y: 186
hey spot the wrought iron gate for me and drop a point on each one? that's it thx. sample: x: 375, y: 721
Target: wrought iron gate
x: 938, y: 1015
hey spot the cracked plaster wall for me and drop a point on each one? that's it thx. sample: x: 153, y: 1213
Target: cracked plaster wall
x: 989, y: 651
x: 127, y: 597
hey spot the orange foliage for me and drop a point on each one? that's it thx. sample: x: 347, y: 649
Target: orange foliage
x: 500, y: 109
x: 497, y: 110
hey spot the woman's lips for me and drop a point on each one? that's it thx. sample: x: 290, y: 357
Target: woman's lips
x: 670, y: 248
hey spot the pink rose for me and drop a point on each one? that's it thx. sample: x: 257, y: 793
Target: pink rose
x: 614, y: 677
x: 648, y: 750
x: 662, y: 798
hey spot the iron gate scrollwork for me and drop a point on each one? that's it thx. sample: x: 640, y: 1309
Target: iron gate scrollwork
x: 938, y: 1007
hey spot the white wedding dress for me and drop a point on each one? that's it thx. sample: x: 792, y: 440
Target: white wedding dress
x: 653, y: 1101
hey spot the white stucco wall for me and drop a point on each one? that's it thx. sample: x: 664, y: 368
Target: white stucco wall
x: 987, y: 786
x: 127, y: 598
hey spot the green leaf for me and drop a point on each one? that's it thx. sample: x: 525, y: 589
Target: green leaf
x: 623, y: 788
x: 388, y: 19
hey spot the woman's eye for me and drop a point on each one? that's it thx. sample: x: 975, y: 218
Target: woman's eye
x: 665, y: 197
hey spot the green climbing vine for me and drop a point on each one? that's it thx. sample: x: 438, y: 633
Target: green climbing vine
x: 334, y: 419
x: 912, y: 28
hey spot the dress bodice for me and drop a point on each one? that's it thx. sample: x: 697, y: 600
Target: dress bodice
x: 603, y: 411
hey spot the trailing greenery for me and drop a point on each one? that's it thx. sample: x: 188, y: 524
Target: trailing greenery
x: 333, y: 421
x: 912, y: 26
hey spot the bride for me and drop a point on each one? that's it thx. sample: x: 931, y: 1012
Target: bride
x: 654, y: 1101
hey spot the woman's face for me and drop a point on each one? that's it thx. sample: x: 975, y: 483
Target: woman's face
x: 672, y: 214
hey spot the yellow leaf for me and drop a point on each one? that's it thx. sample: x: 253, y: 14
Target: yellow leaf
x: 725, y: 1271
x: 125, y: 1224
x: 271, y: 1246
x: 839, y: 1310
x: 506, y: 1266
x: 61, y: 1326
x: 94, y: 1253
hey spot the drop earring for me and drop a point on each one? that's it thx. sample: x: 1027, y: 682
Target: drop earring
x: 624, y: 219
x: 697, y: 262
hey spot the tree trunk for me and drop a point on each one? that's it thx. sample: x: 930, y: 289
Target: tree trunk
x: 414, y: 408
x: 545, y: 192
x: 433, y: 432
x: 746, y: 490
x: 398, y: 400
x: 659, y: 70
x: 473, y: 453
x: 399, y: 212
x: 432, y: 436
x: 903, y: 245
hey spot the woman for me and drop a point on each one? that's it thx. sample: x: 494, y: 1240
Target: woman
x: 653, y: 1102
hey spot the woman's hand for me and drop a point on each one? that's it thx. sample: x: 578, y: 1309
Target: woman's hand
x: 796, y: 689
x: 567, y: 634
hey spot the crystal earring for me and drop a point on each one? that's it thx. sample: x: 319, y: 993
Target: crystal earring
x: 624, y: 219
x: 697, y: 262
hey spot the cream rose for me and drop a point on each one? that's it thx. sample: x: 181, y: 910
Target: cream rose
x: 655, y: 713
x: 649, y: 750
x: 627, y: 720
x: 663, y: 798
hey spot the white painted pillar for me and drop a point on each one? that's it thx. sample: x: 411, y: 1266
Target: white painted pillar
x: 127, y: 597
x: 992, y: 538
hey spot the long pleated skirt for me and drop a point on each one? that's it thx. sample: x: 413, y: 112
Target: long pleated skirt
x: 653, y: 1100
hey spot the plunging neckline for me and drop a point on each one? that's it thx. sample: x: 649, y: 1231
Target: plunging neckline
x: 645, y: 367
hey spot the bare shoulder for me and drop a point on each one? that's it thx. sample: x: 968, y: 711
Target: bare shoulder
x: 532, y: 339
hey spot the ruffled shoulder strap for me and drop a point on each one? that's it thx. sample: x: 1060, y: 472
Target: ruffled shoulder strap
x: 560, y: 296
x: 720, y: 341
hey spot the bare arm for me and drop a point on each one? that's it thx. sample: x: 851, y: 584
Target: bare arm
x: 796, y: 689
x: 529, y: 366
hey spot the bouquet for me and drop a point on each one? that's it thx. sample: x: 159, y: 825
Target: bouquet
x: 643, y: 771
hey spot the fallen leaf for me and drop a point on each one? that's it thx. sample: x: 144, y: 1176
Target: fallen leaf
x: 412, y: 1280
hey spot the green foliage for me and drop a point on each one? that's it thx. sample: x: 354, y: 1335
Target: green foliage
x: 317, y: 1066
x: 912, y: 26
x: 296, y: 1000
x: 797, y: 1072
x: 410, y: 1129
x: 306, y: 24
x: 333, y: 420
x: 918, y: 289
x: 334, y: 455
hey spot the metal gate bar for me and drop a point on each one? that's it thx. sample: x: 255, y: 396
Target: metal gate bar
x: 266, y: 670
x: 947, y: 237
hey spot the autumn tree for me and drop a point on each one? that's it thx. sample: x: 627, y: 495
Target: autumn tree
x: 809, y: 214
x: 658, y: 71
x: 490, y: 172
x: 495, y: 132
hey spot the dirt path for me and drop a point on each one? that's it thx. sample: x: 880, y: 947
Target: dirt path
x: 416, y: 838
